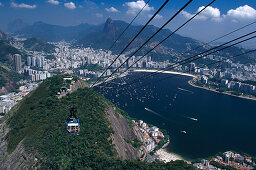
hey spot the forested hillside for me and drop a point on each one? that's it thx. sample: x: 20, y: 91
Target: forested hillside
x: 8, y: 77
x: 35, y: 44
x: 37, y: 130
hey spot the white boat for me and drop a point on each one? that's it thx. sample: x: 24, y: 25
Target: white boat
x: 193, y: 118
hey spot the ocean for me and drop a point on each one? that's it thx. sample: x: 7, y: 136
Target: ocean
x: 200, y: 122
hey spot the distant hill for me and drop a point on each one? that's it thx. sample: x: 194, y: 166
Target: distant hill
x: 35, y: 44
x: 112, y: 29
x: 8, y: 77
x: 6, y: 52
x: 169, y: 50
x: 16, y: 25
x: 35, y: 135
x: 48, y: 32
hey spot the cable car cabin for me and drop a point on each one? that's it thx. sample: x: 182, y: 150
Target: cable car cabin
x: 72, y: 123
x: 73, y: 126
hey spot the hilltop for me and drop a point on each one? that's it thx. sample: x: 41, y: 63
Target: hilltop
x: 33, y: 133
x: 35, y: 44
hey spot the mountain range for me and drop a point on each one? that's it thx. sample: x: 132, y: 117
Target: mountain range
x: 104, y: 35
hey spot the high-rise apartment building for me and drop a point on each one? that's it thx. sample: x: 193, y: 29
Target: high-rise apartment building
x: 17, y: 62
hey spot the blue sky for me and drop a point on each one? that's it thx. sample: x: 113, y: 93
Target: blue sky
x: 221, y: 17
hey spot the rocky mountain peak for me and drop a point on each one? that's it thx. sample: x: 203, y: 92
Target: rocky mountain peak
x: 109, y: 28
x: 3, y: 36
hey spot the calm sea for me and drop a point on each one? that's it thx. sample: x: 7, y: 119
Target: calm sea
x: 200, y: 123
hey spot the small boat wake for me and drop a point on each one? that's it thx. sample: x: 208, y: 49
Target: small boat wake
x: 191, y: 118
x: 155, y: 113
x: 185, y: 90
x: 183, y: 131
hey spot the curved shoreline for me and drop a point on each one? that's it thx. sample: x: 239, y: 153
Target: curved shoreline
x: 166, y: 72
x: 213, y: 90
x: 190, y: 83
x: 166, y: 156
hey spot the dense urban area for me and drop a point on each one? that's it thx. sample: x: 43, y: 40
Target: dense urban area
x: 88, y: 63
x: 228, y: 160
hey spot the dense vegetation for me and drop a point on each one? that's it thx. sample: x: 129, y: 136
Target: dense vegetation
x: 12, y: 75
x: 50, y: 57
x: 8, y: 77
x: 39, y: 123
x: 92, y: 67
x: 2, y: 81
x: 5, y: 51
x: 36, y: 44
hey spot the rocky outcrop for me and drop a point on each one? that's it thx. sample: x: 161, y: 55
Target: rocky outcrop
x: 122, y: 132
x: 77, y: 85
x: 3, y: 36
x: 16, y: 160
x: 110, y: 28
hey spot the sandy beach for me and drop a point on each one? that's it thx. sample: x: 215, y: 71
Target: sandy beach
x: 167, y: 72
x: 168, y: 157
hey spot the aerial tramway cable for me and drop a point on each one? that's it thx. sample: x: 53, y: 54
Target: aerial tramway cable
x: 155, y: 14
x: 149, y: 39
x: 129, y: 25
x: 188, y: 59
x: 219, y: 61
x: 206, y: 55
x: 163, y: 39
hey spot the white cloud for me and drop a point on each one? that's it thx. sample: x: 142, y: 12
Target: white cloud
x: 1, y: 4
x: 70, y: 5
x: 135, y: 6
x: 156, y: 17
x: 54, y: 2
x: 208, y: 13
x: 242, y: 12
x: 22, y: 5
x: 99, y: 15
x: 111, y: 9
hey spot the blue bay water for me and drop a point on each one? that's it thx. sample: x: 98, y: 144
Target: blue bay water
x: 213, y: 122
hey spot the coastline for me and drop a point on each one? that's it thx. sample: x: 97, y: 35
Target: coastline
x: 166, y: 156
x: 190, y: 82
x: 163, y: 153
x: 213, y: 90
x: 166, y: 72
